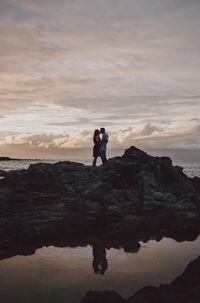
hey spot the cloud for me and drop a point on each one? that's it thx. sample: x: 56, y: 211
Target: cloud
x: 195, y: 119
x: 78, y: 122
x: 68, y: 66
x: 149, y: 129
x: 149, y: 137
x: 27, y: 6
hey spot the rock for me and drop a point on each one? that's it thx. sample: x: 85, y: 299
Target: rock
x: 6, y: 159
x: 136, y: 194
x: 3, y: 173
x: 103, y: 297
x: 190, y: 277
x: 185, y: 288
x: 148, y: 294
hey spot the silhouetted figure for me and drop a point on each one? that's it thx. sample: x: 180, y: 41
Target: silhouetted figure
x: 96, y: 148
x: 100, y: 264
x: 103, y: 145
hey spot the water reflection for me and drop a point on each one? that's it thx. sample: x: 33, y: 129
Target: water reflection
x: 129, y: 244
x: 64, y: 274
x: 100, y: 263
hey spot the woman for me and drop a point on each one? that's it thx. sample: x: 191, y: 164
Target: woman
x: 96, y: 148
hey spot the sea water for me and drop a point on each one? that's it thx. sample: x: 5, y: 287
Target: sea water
x: 64, y: 275
x: 191, y: 168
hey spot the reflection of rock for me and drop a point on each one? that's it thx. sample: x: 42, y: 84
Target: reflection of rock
x: 99, y: 246
x: 185, y: 289
x: 135, y: 196
x: 24, y: 251
x: 128, y: 247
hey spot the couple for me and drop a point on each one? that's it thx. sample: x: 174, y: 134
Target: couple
x: 100, y: 146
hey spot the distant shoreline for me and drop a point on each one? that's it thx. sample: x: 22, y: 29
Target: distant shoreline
x: 5, y: 159
x: 84, y: 155
x: 13, y: 159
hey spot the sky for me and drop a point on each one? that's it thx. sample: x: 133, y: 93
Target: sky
x: 68, y: 67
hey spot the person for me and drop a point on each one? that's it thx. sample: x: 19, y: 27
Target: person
x: 100, y: 263
x: 96, y: 148
x: 103, y: 146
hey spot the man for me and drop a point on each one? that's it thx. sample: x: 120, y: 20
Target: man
x: 103, y: 146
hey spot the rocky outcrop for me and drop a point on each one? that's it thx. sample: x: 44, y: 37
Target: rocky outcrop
x: 185, y: 289
x: 135, y: 196
x: 5, y: 159
x: 103, y: 297
x: 3, y: 173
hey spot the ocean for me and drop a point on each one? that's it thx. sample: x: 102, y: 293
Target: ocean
x: 191, y: 167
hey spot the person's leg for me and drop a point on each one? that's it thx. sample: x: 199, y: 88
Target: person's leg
x: 103, y: 158
x: 94, y: 162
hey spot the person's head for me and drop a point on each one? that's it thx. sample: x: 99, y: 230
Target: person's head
x: 96, y: 132
x: 102, y: 130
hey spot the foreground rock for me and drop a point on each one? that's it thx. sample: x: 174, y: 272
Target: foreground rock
x: 3, y: 173
x: 184, y: 289
x: 135, y: 196
x: 103, y: 297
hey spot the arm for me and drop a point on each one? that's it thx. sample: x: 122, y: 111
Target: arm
x: 97, y: 139
x: 105, y: 138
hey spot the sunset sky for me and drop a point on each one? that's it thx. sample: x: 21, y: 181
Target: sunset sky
x: 70, y: 66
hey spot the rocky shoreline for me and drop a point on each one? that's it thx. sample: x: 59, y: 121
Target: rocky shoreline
x: 184, y: 289
x: 136, y: 195
x: 5, y: 159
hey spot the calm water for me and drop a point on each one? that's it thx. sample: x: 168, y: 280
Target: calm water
x: 60, y: 275
x: 21, y: 164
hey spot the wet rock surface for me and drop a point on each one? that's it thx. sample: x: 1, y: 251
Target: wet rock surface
x: 135, y: 196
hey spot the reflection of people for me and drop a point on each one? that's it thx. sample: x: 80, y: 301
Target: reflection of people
x: 96, y: 148
x: 100, y: 264
x: 103, y: 145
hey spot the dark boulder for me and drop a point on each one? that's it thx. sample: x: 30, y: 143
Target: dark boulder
x: 190, y: 278
x: 103, y: 297
x: 185, y: 288
x: 3, y: 173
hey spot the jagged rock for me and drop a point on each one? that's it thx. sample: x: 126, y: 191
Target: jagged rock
x: 135, y: 194
x: 190, y: 278
x: 5, y: 159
